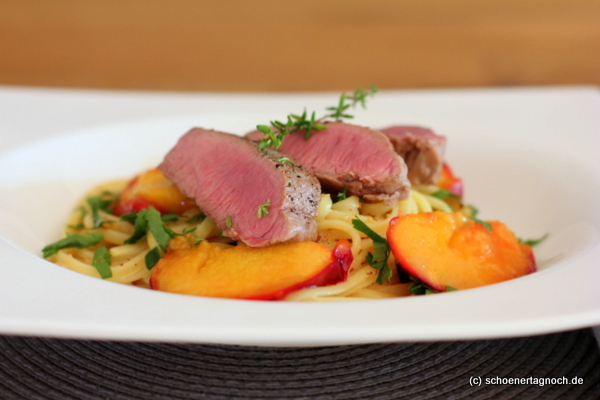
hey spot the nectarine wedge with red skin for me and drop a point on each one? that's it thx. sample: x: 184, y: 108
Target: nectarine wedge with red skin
x: 451, y: 250
x: 152, y: 188
x: 450, y: 182
x: 242, y: 272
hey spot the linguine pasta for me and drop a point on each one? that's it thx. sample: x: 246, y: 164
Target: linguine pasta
x: 334, y: 222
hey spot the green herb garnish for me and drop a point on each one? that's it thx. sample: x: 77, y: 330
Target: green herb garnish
x: 275, y: 133
x: 479, y: 221
x: 228, y: 222
x: 140, y: 226
x: 75, y: 240
x: 98, y: 204
x: 533, y: 242
x: 102, y: 262
x: 381, y: 251
x: 342, y: 195
x: 474, y: 211
x: 284, y: 160
x: 161, y: 233
x: 444, y: 194
x: 171, y: 217
x: 152, y: 257
x: 197, y: 218
x: 149, y: 220
x: 263, y: 209
x: 129, y: 217
x: 417, y: 287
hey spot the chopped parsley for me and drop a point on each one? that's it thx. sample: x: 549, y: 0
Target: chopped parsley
x: 381, y: 251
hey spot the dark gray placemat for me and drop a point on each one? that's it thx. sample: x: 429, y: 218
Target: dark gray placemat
x: 38, y: 368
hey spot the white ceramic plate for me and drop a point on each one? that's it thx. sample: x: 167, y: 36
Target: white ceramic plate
x: 528, y: 157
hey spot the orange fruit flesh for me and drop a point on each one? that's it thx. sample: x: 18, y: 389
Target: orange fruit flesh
x: 152, y: 188
x: 448, y: 249
x: 250, y: 273
x: 448, y: 181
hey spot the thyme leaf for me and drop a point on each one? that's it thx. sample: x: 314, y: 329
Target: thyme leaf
x: 275, y: 133
x: 263, y: 209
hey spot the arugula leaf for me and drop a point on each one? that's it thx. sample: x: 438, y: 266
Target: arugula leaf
x: 418, y: 287
x: 140, y: 228
x: 171, y: 217
x: 102, y: 262
x: 97, y: 204
x: 485, y: 224
x: 197, y: 218
x: 381, y: 251
x: 152, y: 257
x: 533, y: 242
x: 443, y: 194
x: 149, y: 219
x: 161, y: 233
x: 75, y: 240
x: 78, y: 226
x: 474, y: 211
x: 129, y: 217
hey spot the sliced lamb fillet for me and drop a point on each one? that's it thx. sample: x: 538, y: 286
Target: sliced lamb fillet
x: 230, y: 179
x: 361, y: 160
x: 422, y: 151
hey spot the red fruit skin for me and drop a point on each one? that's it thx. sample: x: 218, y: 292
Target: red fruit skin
x: 132, y: 200
x: 136, y: 204
x: 335, y: 272
x: 133, y: 204
x: 450, y: 182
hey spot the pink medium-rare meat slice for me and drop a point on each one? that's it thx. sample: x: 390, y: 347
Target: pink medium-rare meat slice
x: 230, y: 179
x: 422, y: 151
x: 358, y: 159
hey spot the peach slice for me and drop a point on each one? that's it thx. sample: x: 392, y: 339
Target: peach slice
x: 241, y: 272
x: 152, y: 188
x: 448, y: 181
x: 449, y: 249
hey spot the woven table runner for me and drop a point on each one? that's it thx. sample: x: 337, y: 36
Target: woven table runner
x: 40, y: 368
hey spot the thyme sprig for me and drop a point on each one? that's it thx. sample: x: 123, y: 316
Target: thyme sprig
x: 275, y: 133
